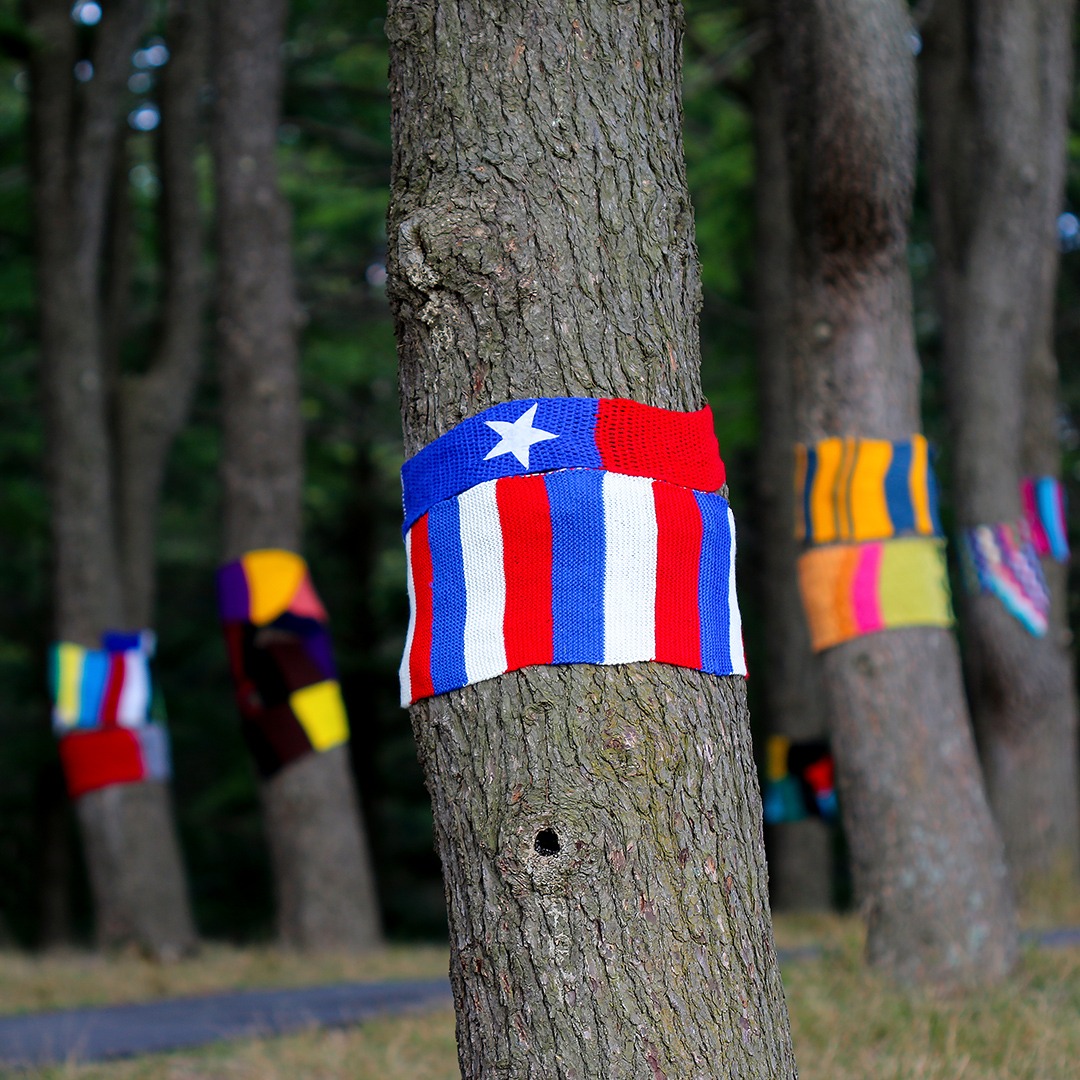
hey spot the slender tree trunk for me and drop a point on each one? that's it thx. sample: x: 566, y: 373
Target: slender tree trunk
x: 325, y: 888
x: 599, y: 827
x: 998, y: 78
x: 132, y: 854
x: 800, y: 852
x: 927, y: 863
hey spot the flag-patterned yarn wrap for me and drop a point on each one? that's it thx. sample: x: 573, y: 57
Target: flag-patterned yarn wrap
x: 281, y: 660
x: 853, y: 589
x: 849, y: 489
x: 799, y: 781
x: 1043, y: 499
x: 1001, y: 560
x: 609, y: 549
x: 102, y: 700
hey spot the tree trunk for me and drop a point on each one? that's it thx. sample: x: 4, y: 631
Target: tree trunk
x: 998, y: 78
x: 599, y: 827
x: 128, y: 834
x: 800, y: 852
x: 325, y: 887
x: 927, y: 863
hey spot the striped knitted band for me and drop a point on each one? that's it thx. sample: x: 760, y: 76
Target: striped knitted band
x: 864, y: 489
x: 1001, y: 560
x: 536, y: 435
x: 574, y: 565
x: 853, y: 589
x: 799, y: 780
x: 281, y: 660
x: 1043, y: 499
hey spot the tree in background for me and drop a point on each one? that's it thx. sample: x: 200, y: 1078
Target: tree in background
x: 927, y: 863
x: 998, y: 79
x: 599, y: 826
x: 110, y: 424
x: 322, y: 873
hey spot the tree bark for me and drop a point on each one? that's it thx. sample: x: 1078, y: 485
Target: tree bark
x: 927, y: 864
x: 800, y: 852
x: 998, y: 79
x: 541, y: 243
x: 132, y: 854
x: 322, y: 870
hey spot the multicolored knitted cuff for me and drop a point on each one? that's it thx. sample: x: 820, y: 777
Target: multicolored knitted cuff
x: 1043, y: 499
x: 281, y: 660
x: 799, y: 780
x: 102, y: 702
x: 1001, y: 560
x: 864, y: 489
x: 853, y: 589
x: 572, y: 565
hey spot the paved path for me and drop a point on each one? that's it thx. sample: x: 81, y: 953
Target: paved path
x: 115, y: 1031
x: 179, y: 1023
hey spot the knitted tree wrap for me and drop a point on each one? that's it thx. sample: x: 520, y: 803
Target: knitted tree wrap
x: 1043, y: 500
x: 853, y: 589
x: 280, y: 657
x: 1000, y: 560
x: 570, y: 565
x: 849, y: 489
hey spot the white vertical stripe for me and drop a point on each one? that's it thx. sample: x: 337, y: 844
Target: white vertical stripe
x: 404, y: 676
x: 738, y: 656
x: 629, y: 569
x: 133, y: 707
x: 485, y: 582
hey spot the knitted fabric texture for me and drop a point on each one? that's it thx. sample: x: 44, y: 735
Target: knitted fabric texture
x: 536, y: 435
x: 1001, y: 560
x: 102, y: 701
x: 1043, y: 499
x: 853, y: 589
x: 575, y: 565
x: 799, y: 781
x: 281, y: 660
x: 864, y: 489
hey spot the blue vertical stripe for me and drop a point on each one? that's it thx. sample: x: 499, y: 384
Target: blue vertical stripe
x: 714, y: 582
x: 95, y: 673
x: 933, y: 499
x: 577, y: 557
x: 1049, y: 502
x: 448, y: 597
x: 808, y: 487
x: 898, y: 489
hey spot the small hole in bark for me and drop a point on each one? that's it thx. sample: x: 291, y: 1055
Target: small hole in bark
x: 546, y: 843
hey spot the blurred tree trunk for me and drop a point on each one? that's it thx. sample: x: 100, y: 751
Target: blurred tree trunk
x: 927, y: 863
x: 800, y: 852
x: 998, y: 78
x: 325, y: 888
x: 77, y: 131
x: 542, y: 244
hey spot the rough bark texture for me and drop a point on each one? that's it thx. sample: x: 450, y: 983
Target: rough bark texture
x: 599, y: 827
x: 927, y: 864
x: 322, y: 869
x: 132, y: 854
x: 800, y: 852
x: 998, y: 77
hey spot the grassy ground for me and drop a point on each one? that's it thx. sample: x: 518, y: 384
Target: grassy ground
x: 847, y: 1024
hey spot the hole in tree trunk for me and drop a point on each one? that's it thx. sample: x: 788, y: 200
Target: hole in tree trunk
x: 546, y: 843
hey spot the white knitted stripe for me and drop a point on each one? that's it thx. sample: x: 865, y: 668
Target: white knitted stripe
x: 738, y: 656
x: 134, y: 705
x: 403, y: 671
x: 629, y: 569
x: 485, y: 582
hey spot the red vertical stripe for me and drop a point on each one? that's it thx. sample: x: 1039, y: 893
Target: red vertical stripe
x: 525, y: 517
x: 422, y: 578
x: 114, y: 683
x: 678, y: 562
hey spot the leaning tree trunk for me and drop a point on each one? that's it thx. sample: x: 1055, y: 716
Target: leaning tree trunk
x: 325, y: 887
x: 800, y: 851
x: 132, y: 854
x: 998, y: 78
x: 927, y: 864
x: 599, y: 827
